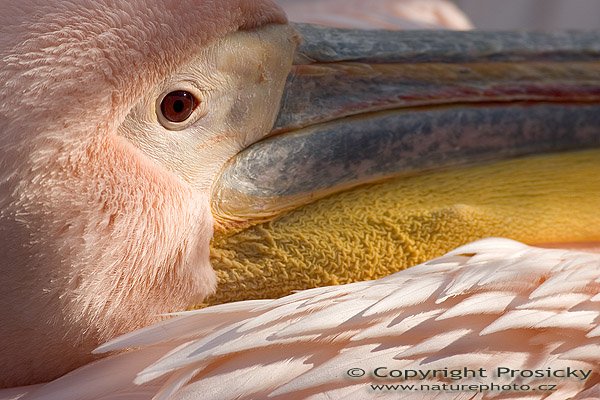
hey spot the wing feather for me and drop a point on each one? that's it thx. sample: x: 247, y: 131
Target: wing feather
x: 490, y: 303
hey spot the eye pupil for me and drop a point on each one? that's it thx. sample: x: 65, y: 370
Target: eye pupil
x: 177, y: 106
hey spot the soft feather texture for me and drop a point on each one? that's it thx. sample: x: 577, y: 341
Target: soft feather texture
x: 441, y: 314
x: 92, y: 231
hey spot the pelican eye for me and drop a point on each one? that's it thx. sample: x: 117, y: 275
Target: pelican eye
x: 177, y: 106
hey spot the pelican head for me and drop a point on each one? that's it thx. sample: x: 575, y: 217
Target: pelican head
x: 130, y: 131
x: 105, y: 217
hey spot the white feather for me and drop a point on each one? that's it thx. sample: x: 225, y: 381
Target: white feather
x: 517, y: 319
x: 418, y: 291
x: 565, y: 300
x: 398, y: 326
x: 481, y: 303
x: 493, y: 302
x: 434, y: 343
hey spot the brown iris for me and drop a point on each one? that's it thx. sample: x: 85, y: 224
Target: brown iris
x: 177, y: 106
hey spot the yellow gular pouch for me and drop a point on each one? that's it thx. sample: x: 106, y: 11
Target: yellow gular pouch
x: 375, y: 230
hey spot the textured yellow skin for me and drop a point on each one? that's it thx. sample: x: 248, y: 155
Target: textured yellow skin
x: 375, y: 230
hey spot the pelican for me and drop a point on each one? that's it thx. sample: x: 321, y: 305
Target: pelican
x: 132, y: 132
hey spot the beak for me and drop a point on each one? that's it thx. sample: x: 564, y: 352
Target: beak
x: 365, y: 106
x: 421, y: 141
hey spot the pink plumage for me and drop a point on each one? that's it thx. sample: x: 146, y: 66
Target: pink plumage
x: 91, y: 232
x: 491, y: 304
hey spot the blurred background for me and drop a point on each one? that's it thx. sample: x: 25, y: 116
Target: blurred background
x: 423, y: 14
x: 532, y: 14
